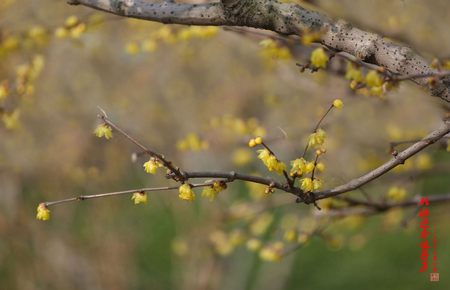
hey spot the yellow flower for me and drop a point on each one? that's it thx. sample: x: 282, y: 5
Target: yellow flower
x: 132, y: 48
x: 61, y: 32
x: 71, y: 21
x: 319, y: 58
x: 373, y: 79
x: 354, y: 74
x: 424, y: 162
x: 43, y: 213
x: 251, y: 143
x: 317, y: 184
x: 11, y: 120
x: 152, y: 165
x: 4, y: 91
x: 309, y: 167
x: 258, y: 140
x: 78, y: 30
x: 271, y: 162
x: 290, y: 235
x: 242, y: 156
x: 338, y: 104
x: 298, y: 167
x: 309, y: 37
x: 317, y: 138
x: 272, y: 253
x: 320, y: 166
x: 139, y: 197
x: 186, y: 192
x: 212, y: 191
x: 253, y: 245
x: 396, y: 193
x: 103, y: 130
x: 306, y: 184
x: 262, y: 223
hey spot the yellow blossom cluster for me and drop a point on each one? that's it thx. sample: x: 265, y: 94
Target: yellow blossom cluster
x: 256, y: 141
x: 272, y: 51
x: 139, y: 197
x: 225, y: 243
x: 186, y: 192
x: 192, y: 142
x: 152, y: 165
x: 103, y: 130
x: 212, y: 191
x: 169, y: 35
x: 308, y: 184
x: 23, y: 88
x: 238, y: 126
x: 311, y: 36
x: 300, y: 166
x: 270, y: 161
x: 72, y: 27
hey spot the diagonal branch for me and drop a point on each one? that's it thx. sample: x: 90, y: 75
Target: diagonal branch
x: 398, y: 159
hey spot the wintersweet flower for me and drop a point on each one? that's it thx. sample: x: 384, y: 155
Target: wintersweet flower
x: 298, y: 167
x: 309, y: 167
x: 139, y: 197
x: 152, y: 165
x: 103, y: 130
x: 306, y: 184
x: 212, y: 191
x: 373, y: 79
x: 317, y: 138
x: 43, y: 213
x: 186, y: 192
x: 271, y: 162
x: 319, y: 58
x: 317, y: 184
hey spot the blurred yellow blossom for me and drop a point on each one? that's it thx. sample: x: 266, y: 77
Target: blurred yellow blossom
x: 424, y: 162
x: 272, y: 252
x: 319, y: 58
x: 396, y: 193
x: 11, y: 120
x: 253, y: 245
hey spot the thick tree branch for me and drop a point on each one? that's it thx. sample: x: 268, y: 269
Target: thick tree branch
x: 288, y: 19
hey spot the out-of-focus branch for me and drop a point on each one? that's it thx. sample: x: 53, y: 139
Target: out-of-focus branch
x: 287, y: 19
x: 371, y: 208
x: 400, y: 158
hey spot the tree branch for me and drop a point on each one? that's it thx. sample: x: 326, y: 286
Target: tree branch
x: 287, y: 19
x: 400, y: 158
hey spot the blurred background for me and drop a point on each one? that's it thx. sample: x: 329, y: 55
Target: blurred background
x: 197, y: 96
